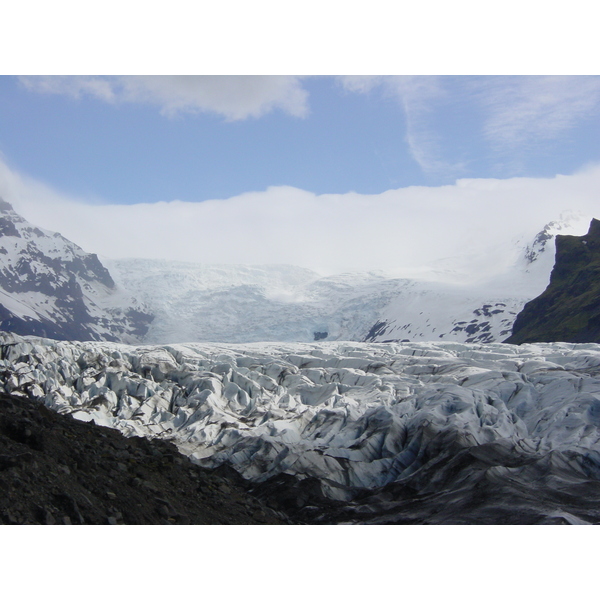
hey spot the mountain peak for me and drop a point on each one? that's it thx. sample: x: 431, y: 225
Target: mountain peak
x: 49, y: 286
x: 5, y: 206
x: 594, y: 230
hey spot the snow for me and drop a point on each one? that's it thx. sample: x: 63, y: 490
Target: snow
x: 241, y: 303
x: 46, y: 278
x: 348, y: 413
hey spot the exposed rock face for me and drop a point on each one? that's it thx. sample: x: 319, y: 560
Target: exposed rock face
x: 349, y: 432
x: 569, y: 308
x: 50, y: 287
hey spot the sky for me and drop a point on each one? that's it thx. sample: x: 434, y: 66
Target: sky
x: 333, y: 173
x: 392, y: 173
x: 128, y: 140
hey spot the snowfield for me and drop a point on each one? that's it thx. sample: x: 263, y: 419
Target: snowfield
x: 351, y: 414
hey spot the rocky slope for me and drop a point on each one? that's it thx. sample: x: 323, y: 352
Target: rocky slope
x: 351, y: 432
x: 51, y: 287
x: 57, y: 470
x: 569, y: 309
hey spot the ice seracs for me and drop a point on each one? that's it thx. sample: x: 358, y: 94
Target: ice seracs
x: 352, y: 415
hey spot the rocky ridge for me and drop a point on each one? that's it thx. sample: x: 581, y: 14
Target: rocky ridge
x: 51, y: 287
x: 569, y: 309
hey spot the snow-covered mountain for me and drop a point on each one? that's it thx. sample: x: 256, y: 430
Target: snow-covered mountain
x: 51, y: 287
x: 441, y: 420
x: 242, y: 303
x: 481, y: 312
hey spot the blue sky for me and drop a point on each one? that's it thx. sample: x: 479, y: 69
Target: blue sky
x: 130, y: 140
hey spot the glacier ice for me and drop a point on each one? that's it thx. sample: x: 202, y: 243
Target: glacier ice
x: 353, y: 415
x: 255, y: 303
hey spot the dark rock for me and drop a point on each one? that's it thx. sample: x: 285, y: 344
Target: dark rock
x: 42, y: 486
x: 377, y: 330
x: 569, y: 309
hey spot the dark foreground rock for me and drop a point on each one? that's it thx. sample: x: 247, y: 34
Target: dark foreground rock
x: 56, y: 470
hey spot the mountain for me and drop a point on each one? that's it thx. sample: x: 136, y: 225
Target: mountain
x: 250, y: 303
x: 569, y: 309
x: 51, y: 287
x: 481, y: 312
x: 342, y: 431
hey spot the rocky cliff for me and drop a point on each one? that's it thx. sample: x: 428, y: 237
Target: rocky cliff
x: 569, y: 309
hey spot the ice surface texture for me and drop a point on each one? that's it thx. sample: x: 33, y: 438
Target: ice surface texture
x: 352, y: 415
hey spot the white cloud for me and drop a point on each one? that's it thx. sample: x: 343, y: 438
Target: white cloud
x: 517, y: 113
x: 417, y: 95
x: 528, y: 110
x: 234, y: 97
x: 402, y: 231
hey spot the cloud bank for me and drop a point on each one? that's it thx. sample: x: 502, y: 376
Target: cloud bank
x: 234, y: 97
x: 407, y: 231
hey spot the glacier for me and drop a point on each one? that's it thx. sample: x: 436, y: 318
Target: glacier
x: 359, y: 418
x: 51, y: 287
x: 284, y: 303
